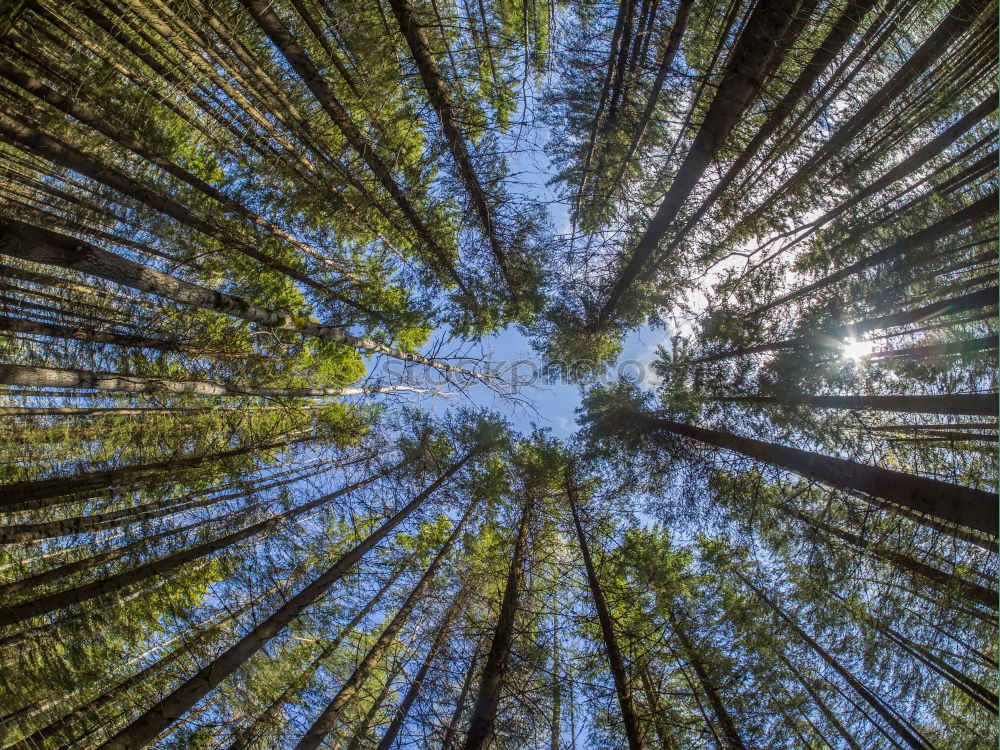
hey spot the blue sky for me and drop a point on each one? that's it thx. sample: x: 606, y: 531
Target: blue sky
x: 553, y: 405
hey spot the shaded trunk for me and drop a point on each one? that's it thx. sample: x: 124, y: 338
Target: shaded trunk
x: 463, y: 696
x: 118, y: 581
x: 38, y: 245
x: 972, y: 404
x: 73, y: 719
x: 848, y: 738
x: 666, y: 63
x: 966, y: 589
x: 403, y: 710
x: 69, y: 157
x: 656, y: 710
x: 258, y: 727
x: 979, y: 211
x: 726, y: 722
x: 32, y: 493
x: 890, y: 717
x: 166, y: 711
x: 50, y: 377
x: 768, y: 21
x: 832, y: 337
x: 96, y: 521
x: 963, y: 506
x: 437, y: 94
x: 484, y: 714
x: 300, y: 62
x: 839, y: 34
x: 616, y: 663
x: 956, y: 23
x: 329, y: 716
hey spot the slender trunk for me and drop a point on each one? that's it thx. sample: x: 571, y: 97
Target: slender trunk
x: 555, y: 725
x: 666, y: 63
x: 839, y: 34
x: 255, y: 730
x: 184, y: 697
x: 403, y: 710
x: 300, y: 62
x: 69, y: 157
x: 118, y: 581
x: 973, y: 689
x: 82, y: 713
x: 437, y: 94
x: 849, y: 739
x: 972, y: 404
x: 50, y: 377
x: 463, y: 695
x: 38, y: 245
x: 832, y: 337
x: 656, y: 710
x: 768, y: 21
x: 963, y: 506
x: 915, y: 160
x: 42, y: 492
x: 726, y: 722
x: 956, y: 23
x: 329, y: 716
x: 92, y: 334
x: 979, y: 211
x: 602, y: 101
x: 616, y: 663
x: 484, y: 714
x: 890, y: 717
x: 101, y: 124
x: 966, y: 589
x: 96, y: 521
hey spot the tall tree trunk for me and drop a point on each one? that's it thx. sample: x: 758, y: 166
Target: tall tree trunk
x: 831, y: 337
x: 300, y: 62
x: 26, y: 532
x: 666, y: 63
x: 962, y: 587
x: 254, y: 732
x: 403, y: 710
x: 839, y: 34
x: 80, y: 162
x: 456, y: 715
x: 656, y: 710
x: 972, y: 404
x: 120, y: 690
x: 101, y: 124
x: 751, y: 56
x: 726, y: 722
x: 166, y: 711
x: 90, y: 333
x: 980, y: 210
x: 481, y: 725
x: 118, y: 581
x: 39, y: 245
x: 329, y: 716
x: 963, y: 506
x: 956, y: 23
x: 437, y: 94
x: 31, y: 493
x: 966, y: 346
x: 50, y: 377
x: 890, y: 717
x: 616, y: 663
x: 848, y: 738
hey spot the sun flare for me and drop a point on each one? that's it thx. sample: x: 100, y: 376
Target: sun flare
x: 856, y: 350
